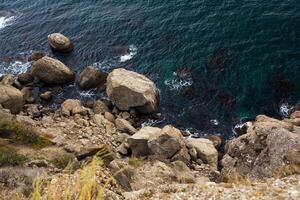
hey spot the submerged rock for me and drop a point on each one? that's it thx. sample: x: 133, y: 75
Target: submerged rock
x: 59, y: 42
x: 91, y: 77
x: 129, y: 89
x: 11, y: 98
x: 52, y: 71
x: 35, y: 56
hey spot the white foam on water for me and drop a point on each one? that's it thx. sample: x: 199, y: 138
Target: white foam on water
x: 88, y: 94
x: 5, y: 21
x: 285, y: 110
x: 178, y: 84
x: 214, y: 122
x: 132, y: 53
x: 106, y: 65
x: 14, y: 68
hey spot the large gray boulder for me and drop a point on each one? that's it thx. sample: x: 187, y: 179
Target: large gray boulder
x: 91, y: 77
x: 52, y: 71
x: 269, y: 148
x: 206, y: 151
x: 129, y: 89
x: 138, y: 143
x: 11, y: 98
x: 59, y: 42
x: 167, y: 142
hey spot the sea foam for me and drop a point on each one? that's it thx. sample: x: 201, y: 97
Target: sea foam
x: 5, y: 21
x: 14, y: 68
x: 130, y: 55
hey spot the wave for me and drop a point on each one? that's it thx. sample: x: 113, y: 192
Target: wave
x: 6, y: 21
x: 285, y: 110
x: 14, y: 68
x: 178, y: 83
x: 130, y: 55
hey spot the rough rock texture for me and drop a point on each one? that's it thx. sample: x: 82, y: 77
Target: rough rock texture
x: 72, y: 107
x: 206, y: 151
x: 129, y: 89
x: 11, y: 98
x: 91, y: 77
x: 25, y: 78
x: 8, y: 80
x: 52, y: 71
x: 125, y: 126
x: 270, y: 147
x: 138, y: 142
x: 167, y: 143
x: 59, y: 42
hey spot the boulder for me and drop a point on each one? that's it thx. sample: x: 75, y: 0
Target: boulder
x: 8, y: 80
x: 125, y: 126
x: 129, y: 89
x: 46, y: 96
x: 11, y: 98
x: 52, y: 71
x: 35, y: 56
x: 27, y: 95
x: 206, y: 151
x: 267, y: 149
x: 167, y: 142
x: 71, y: 107
x: 91, y: 77
x: 99, y: 107
x: 25, y: 78
x: 60, y: 43
x: 138, y: 143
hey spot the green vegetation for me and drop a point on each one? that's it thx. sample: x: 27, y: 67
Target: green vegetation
x: 62, y: 161
x: 146, y: 195
x: 9, y: 156
x: 22, y: 133
x: 135, y: 162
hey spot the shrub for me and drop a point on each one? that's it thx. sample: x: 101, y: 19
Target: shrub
x: 19, y: 132
x: 9, y: 156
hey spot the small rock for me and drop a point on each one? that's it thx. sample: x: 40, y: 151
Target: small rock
x: 35, y: 56
x: 8, y: 80
x: 124, y: 125
x: 25, y: 78
x: 100, y: 107
x: 46, y: 96
x: 110, y: 117
x: 91, y: 77
x: 11, y: 98
x: 59, y: 42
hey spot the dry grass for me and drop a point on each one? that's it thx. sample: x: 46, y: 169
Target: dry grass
x: 22, y: 133
x: 84, y: 184
x: 10, y: 157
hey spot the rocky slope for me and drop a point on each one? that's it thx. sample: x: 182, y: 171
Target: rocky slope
x: 99, y: 149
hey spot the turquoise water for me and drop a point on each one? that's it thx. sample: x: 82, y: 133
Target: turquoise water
x: 214, y: 61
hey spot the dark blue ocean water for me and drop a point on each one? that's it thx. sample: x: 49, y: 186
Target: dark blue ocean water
x: 214, y: 61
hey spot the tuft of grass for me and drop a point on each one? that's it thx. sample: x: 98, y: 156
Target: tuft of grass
x: 146, y: 195
x: 83, y: 185
x: 135, y: 162
x: 9, y: 156
x: 22, y: 133
x: 63, y: 161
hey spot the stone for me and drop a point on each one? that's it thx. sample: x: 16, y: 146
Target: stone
x: 167, y: 142
x: 27, y: 95
x: 123, y: 149
x: 71, y: 107
x: 129, y: 89
x: 8, y: 80
x: 11, y: 98
x: 138, y: 143
x: 206, y: 151
x: 125, y: 126
x: 60, y: 43
x: 264, y: 150
x: 217, y: 140
x: 91, y: 77
x: 35, y: 56
x: 110, y: 117
x: 25, y: 78
x: 46, y: 96
x: 100, y: 107
x: 52, y: 71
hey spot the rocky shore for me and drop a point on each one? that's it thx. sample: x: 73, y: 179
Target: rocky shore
x: 101, y: 149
